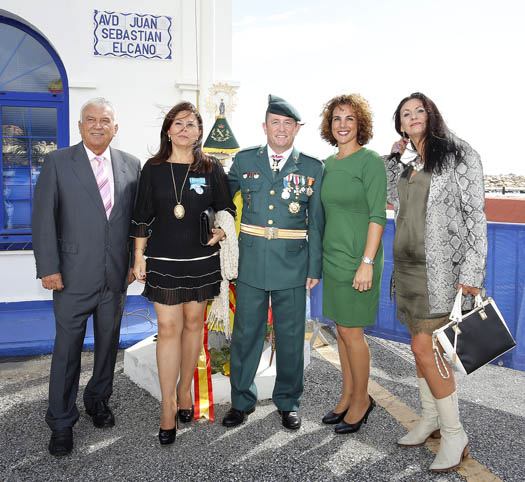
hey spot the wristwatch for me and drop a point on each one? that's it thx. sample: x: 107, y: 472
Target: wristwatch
x: 367, y: 260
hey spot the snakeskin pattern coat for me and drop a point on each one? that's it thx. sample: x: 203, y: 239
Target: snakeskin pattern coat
x: 455, y: 227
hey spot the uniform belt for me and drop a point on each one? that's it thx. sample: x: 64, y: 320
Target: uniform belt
x: 273, y: 233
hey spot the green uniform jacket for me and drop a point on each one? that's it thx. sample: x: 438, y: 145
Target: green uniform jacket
x: 278, y: 264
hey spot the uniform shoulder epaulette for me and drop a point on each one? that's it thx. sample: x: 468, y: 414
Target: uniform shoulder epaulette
x: 311, y: 157
x: 252, y: 148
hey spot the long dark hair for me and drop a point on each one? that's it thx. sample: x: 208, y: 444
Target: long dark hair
x: 201, y: 162
x: 439, y: 143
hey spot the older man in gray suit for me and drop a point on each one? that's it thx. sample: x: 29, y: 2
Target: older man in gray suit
x: 83, y: 202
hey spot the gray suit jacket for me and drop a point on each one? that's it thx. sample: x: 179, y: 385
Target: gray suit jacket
x: 71, y: 234
x: 455, y: 227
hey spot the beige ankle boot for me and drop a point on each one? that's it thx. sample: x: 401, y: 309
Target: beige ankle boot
x: 454, y: 441
x: 428, y: 425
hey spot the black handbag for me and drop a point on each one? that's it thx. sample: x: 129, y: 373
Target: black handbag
x: 206, y: 223
x: 473, y: 339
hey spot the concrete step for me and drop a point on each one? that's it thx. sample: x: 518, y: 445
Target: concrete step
x: 140, y: 365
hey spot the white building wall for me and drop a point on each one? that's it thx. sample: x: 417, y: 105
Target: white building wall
x: 223, y: 42
x: 141, y: 89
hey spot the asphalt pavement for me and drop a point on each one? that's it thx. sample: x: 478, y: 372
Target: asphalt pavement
x: 492, y: 405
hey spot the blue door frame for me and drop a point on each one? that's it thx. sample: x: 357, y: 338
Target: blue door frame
x: 59, y: 100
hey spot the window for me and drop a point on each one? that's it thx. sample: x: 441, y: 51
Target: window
x: 33, y: 120
x: 25, y: 65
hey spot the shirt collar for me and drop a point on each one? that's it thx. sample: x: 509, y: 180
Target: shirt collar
x: 285, y: 154
x: 91, y: 155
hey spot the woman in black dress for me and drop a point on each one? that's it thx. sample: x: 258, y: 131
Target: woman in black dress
x: 180, y: 275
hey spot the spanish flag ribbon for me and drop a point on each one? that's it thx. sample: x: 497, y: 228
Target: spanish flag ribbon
x: 202, y: 377
x: 202, y: 380
x: 202, y: 383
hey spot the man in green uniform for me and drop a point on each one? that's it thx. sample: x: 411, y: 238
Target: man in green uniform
x: 280, y: 248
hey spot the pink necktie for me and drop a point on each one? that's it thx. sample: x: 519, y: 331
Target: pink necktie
x: 103, y: 185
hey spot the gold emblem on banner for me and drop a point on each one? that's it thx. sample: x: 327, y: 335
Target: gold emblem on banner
x: 220, y: 133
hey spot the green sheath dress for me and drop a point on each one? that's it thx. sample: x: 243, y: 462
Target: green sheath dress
x: 353, y: 195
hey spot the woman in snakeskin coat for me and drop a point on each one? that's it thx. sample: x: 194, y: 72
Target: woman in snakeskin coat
x: 440, y: 246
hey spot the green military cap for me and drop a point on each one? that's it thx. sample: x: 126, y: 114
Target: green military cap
x: 279, y: 106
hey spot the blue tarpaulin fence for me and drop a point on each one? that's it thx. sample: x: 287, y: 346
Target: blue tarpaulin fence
x: 505, y: 282
x: 28, y: 328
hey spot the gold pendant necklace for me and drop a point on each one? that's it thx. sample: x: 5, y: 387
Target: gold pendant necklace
x: 179, y: 210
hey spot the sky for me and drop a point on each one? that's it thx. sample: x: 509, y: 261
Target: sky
x: 466, y: 55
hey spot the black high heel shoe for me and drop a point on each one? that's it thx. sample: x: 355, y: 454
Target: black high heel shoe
x: 167, y: 437
x: 186, y: 416
x: 344, y: 427
x: 332, y: 417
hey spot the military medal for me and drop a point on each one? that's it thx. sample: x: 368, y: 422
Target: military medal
x: 179, y: 210
x: 297, y: 185
x: 310, y: 182
x: 286, y: 189
x: 197, y: 184
x: 294, y: 207
x: 275, y: 162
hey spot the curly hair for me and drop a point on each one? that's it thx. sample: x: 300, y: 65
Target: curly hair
x: 362, y: 111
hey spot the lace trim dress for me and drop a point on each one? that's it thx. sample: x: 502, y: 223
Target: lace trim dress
x: 178, y: 268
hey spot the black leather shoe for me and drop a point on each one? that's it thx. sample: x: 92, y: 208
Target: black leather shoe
x: 167, y: 437
x: 235, y: 417
x: 101, y: 414
x: 344, y: 427
x: 291, y: 419
x: 332, y: 417
x: 61, y: 442
x: 186, y: 416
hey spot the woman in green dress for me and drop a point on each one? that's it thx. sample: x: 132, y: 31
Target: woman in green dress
x: 353, y: 194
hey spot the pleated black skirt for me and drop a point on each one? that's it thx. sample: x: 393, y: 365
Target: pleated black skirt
x: 175, y: 281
